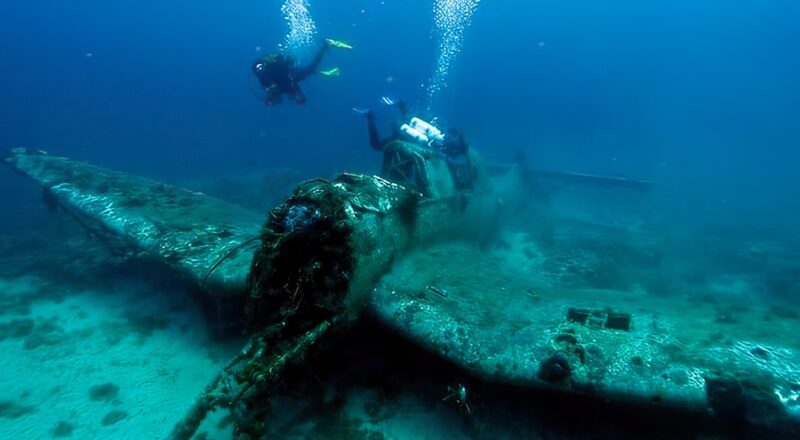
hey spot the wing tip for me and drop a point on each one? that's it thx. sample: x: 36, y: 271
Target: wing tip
x: 9, y: 154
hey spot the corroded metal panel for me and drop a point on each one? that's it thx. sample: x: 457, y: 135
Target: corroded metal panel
x: 209, y: 240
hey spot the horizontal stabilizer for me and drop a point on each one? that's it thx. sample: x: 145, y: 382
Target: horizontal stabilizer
x: 576, y: 178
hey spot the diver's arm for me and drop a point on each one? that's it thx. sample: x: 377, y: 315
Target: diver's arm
x: 302, y: 73
x: 374, y: 138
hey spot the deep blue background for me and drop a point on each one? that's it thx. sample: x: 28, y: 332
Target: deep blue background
x: 703, y: 97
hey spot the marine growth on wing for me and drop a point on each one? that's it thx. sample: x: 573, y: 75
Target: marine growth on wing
x: 451, y: 18
x: 302, y: 28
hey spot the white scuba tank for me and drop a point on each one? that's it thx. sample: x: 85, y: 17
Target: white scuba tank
x: 414, y: 134
x: 427, y: 129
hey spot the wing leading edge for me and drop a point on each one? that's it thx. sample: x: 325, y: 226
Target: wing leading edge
x: 507, y: 325
x: 207, y: 239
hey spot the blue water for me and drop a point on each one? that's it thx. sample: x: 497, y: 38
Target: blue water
x: 702, y: 98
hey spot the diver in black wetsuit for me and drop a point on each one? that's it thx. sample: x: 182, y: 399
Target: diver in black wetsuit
x: 398, y: 165
x: 453, y: 144
x: 279, y: 74
x: 453, y: 148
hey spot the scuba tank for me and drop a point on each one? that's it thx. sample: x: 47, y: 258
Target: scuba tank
x: 414, y: 134
x: 427, y: 129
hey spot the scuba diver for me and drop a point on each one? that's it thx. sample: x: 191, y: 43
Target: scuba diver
x: 278, y: 74
x: 414, y: 142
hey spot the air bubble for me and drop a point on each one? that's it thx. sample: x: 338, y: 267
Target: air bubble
x: 302, y: 28
x: 451, y: 19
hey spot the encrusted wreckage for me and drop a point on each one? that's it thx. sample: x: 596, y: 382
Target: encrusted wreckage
x: 336, y: 250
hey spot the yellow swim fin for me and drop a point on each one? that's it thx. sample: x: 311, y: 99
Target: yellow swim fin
x: 338, y: 44
x: 330, y: 72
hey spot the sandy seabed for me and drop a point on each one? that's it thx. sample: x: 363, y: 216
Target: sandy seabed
x: 121, y: 360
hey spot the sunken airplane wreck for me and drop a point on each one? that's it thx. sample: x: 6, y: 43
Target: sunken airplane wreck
x: 333, y: 251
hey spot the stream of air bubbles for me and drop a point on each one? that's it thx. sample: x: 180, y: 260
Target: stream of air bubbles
x: 302, y: 28
x: 451, y: 19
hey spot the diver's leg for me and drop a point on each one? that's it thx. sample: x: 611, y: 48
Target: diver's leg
x: 302, y: 73
x: 272, y: 97
x: 298, y: 95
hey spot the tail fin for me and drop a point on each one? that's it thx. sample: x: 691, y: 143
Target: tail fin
x: 338, y: 44
x: 330, y: 72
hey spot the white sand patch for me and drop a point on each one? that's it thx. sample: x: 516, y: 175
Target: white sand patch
x: 160, y: 361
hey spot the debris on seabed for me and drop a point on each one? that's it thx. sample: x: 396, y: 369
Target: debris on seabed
x: 437, y: 291
x: 533, y: 294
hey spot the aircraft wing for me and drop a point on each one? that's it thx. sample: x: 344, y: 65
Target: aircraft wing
x: 497, y: 317
x: 209, y: 240
x: 505, y: 324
